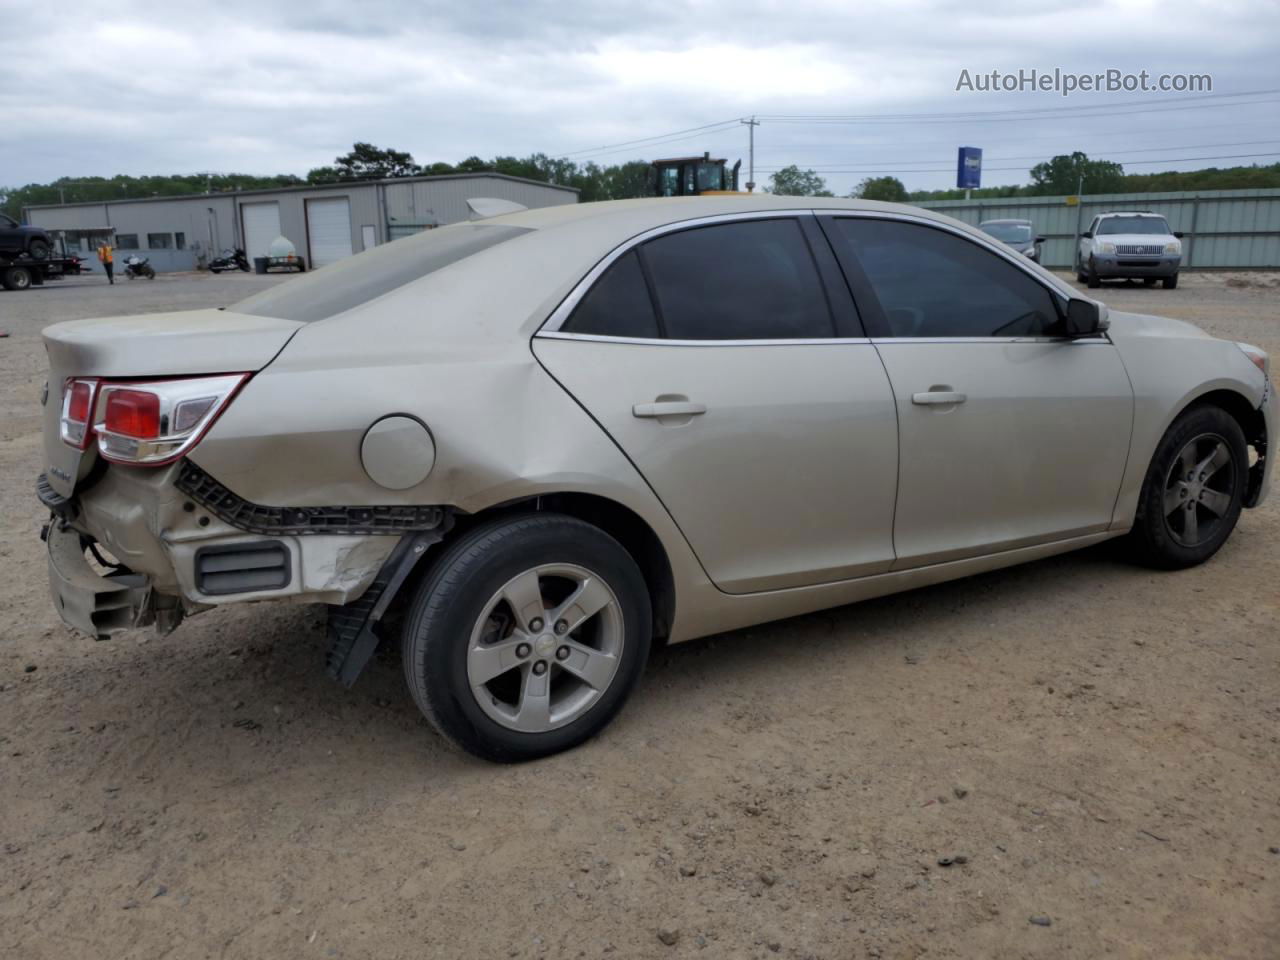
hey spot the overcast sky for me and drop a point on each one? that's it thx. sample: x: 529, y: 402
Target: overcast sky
x: 254, y: 87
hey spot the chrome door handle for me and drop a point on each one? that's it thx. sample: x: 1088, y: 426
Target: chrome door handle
x: 669, y: 408
x: 938, y: 397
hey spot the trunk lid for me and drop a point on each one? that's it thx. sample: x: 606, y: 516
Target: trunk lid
x: 190, y: 343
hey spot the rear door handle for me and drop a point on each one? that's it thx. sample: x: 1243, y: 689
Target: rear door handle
x: 938, y: 397
x: 669, y: 408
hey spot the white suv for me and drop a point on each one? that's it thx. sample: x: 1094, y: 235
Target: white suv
x: 1129, y: 245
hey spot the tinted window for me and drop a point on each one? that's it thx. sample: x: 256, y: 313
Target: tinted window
x: 748, y: 280
x: 359, y: 279
x: 931, y: 283
x: 1147, y: 225
x: 618, y: 305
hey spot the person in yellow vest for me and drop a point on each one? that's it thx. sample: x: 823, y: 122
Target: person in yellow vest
x: 107, y: 259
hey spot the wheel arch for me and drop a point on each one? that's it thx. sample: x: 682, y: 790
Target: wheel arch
x: 620, y: 522
x: 1252, y: 421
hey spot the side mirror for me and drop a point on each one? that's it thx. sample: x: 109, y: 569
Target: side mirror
x: 1040, y: 239
x: 1178, y: 234
x: 1085, y: 318
x: 1087, y: 233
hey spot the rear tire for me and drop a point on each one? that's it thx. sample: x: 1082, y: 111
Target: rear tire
x: 38, y: 249
x: 1171, y: 282
x: 16, y: 278
x: 1182, y: 519
x: 464, y: 626
x: 1148, y: 281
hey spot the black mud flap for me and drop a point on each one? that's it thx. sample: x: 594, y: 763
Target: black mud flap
x: 353, y: 628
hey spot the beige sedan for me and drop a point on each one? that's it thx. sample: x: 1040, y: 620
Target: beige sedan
x: 553, y: 437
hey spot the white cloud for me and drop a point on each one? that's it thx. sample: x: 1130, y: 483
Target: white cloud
x: 251, y: 87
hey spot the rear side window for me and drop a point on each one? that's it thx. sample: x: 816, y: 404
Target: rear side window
x: 746, y: 280
x: 618, y: 305
x: 931, y: 283
x: 355, y: 280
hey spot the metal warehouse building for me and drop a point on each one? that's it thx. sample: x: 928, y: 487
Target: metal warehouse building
x: 324, y: 222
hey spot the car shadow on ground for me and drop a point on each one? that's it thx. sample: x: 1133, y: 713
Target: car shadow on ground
x: 249, y: 696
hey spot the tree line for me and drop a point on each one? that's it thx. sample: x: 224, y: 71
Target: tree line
x: 1063, y: 174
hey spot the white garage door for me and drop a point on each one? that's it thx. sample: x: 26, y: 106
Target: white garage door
x: 329, y: 230
x: 261, y: 226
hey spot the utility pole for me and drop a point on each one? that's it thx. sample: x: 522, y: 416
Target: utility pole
x: 751, y: 152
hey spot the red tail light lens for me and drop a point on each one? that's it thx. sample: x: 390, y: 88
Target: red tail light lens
x: 154, y: 423
x: 79, y: 401
x: 77, y: 412
x: 132, y: 413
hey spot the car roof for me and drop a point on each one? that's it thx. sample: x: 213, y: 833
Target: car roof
x: 1009, y: 220
x: 1131, y: 213
x: 613, y: 221
x: 522, y: 279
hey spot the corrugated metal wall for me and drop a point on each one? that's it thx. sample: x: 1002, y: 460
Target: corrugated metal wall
x: 445, y: 201
x: 211, y: 223
x: 1224, y: 229
x: 206, y: 224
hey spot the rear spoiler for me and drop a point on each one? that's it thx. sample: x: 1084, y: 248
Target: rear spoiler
x: 484, y: 207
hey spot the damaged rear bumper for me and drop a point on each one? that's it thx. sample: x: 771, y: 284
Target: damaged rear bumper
x: 181, y: 550
x: 92, y: 603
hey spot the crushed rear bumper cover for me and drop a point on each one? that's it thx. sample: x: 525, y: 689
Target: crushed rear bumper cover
x: 88, y: 601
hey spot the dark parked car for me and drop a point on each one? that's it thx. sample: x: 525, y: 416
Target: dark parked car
x: 15, y: 240
x: 1019, y: 234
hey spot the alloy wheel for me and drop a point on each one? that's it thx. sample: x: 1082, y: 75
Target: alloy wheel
x: 545, y: 648
x: 1198, y: 490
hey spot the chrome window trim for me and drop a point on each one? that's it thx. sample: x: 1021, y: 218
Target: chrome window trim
x: 989, y: 340
x: 660, y: 342
x: 551, y: 328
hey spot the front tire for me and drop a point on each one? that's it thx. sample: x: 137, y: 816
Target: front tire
x: 1171, y: 282
x: 1091, y: 277
x: 527, y: 637
x: 1193, y: 492
x: 38, y: 249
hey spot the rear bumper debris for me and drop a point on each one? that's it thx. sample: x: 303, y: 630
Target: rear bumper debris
x: 88, y: 601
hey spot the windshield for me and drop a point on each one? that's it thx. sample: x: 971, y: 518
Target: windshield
x: 1008, y: 232
x: 356, y: 280
x: 709, y: 176
x: 1149, y: 225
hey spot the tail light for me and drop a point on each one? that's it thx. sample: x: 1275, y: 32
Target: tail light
x: 77, y: 412
x: 149, y: 423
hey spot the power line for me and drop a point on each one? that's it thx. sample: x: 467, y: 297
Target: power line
x: 1112, y: 153
x: 979, y: 114
x: 645, y: 140
x: 1132, y: 163
x: 656, y: 143
x: 1020, y: 119
x: 845, y: 144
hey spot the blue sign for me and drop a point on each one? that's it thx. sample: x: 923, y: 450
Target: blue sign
x: 969, y: 168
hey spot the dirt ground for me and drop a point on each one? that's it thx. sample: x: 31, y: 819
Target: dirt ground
x: 1099, y: 743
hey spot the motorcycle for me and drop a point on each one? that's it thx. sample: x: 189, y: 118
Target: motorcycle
x: 136, y: 266
x: 230, y: 260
